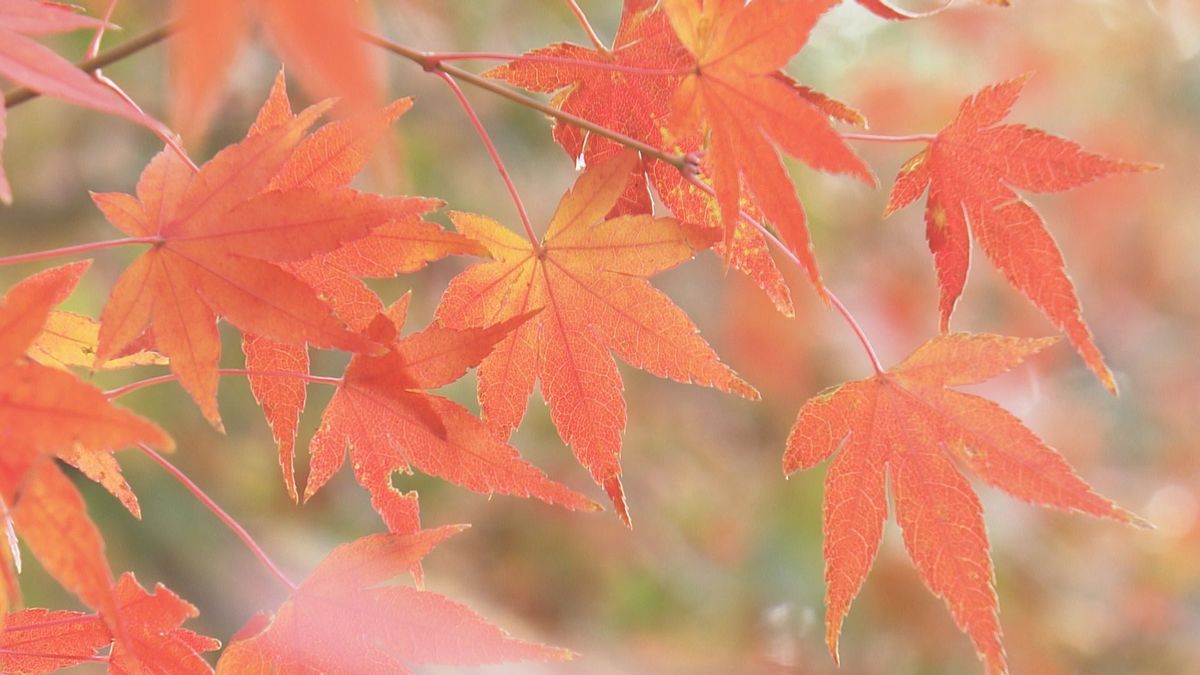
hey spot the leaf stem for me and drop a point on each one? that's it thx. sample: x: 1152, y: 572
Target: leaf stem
x: 587, y: 25
x: 429, y: 62
x: 878, y: 138
x: 791, y: 255
x: 118, y: 392
x: 220, y: 514
x: 20, y: 95
x: 495, y: 155
x: 74, y: 250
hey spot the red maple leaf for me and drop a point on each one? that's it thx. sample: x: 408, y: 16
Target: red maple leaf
x: 342, y: 619
x: 221, y: 239
x: 903, y: 432
x: 971, y: 169
x: 587, y: 277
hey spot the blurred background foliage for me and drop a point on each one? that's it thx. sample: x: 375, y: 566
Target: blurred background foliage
x: 723, y: 570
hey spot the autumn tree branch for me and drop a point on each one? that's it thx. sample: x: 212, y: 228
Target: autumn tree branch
x: 19, y: 95
x: 430, y: 62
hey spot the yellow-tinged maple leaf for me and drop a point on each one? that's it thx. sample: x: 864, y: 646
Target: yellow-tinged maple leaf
x: 342, y: 620
x: 971, y: 169
x: 220, y: 242
x: 904, y: 431
x: 70, y: 340
x: 587, y: 277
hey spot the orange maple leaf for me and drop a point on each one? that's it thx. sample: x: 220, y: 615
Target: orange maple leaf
x: 34, y: 65
x: 330, y: 158
x: 319, y: 40
x: 44, y: 641
x: 970, y: 170
x: 342, y: 620
x: 749, y: 108
x: 147, y: 633
x: 906, y: 428
x: 220, y: 239
x: 143, y: 630
x: 629, y: 89
x: 588, y: 279
x: 43, y: 412
x: 380, y: 413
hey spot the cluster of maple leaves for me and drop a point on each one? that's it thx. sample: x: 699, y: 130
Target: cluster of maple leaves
x: 268, y: 236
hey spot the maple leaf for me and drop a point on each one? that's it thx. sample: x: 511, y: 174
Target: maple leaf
x: 970, y: 170
x: 629, y: 89
x: 43, y: 412
x: 33, y: 65
x: 320, y: 40
x: 343, y: 620
x: 220, y: 239
x: 749, y: 108
x: 142, y: 628
x: 388, y: 424
x: 588, y: 279
x: 44, y: 641
x: 888, y: 10
x: 329, y: 158
x: 147, y: 633
x: 70, y: 340
x: 908, y: 429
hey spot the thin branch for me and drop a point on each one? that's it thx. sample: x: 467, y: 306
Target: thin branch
x: 20, y: 95
x: 74, y: 250
x: 495, y: 155
x: 220, y: 514
x: 427, y: 62
x: 587, y: 25
x: 791, y: 255
x: 561, y: 60
x: 118, y: 392
x: 877, y: 138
